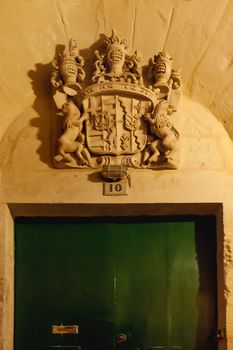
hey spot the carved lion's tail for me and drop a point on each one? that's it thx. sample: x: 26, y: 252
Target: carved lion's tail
x: 176, y: 132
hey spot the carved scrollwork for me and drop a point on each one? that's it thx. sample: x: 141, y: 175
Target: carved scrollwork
x: 122, y: 118
x: 116, y: 64
x: 67, y: 70
x: 162, y: 74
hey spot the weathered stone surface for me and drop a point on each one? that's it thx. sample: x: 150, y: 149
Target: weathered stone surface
x: 198, y: 36
x: 193, y: 32
x: 211, y: 81
x: 6, y: 280
x: 205, y: 173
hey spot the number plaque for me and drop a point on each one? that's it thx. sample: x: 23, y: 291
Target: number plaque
x: 116, y: 188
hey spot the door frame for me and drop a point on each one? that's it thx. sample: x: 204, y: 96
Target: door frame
x: 8, y: 212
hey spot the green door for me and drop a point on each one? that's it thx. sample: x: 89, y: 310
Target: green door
x: 127, y: 285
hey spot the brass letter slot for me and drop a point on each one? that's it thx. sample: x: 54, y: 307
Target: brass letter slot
x: 72, y: 329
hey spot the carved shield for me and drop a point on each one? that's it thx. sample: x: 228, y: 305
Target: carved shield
x: 115, y: 125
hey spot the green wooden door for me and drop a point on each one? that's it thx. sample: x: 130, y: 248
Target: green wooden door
x: 127, y: 285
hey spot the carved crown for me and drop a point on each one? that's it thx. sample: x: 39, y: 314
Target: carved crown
x: 115, y: 41
x: 123, y: 119
x: 162, y: 56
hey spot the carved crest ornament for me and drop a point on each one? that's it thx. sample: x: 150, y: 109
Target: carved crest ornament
x: 123, y: 117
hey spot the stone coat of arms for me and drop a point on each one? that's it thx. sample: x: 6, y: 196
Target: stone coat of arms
x: 123, y: 118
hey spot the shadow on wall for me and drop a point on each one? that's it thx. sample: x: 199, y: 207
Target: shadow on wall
x: 40, y: 81
x: 44, y: 104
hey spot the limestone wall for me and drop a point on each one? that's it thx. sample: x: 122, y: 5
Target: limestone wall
x: 202, y: 185
x: 194, y: 33
x: 205, y: 174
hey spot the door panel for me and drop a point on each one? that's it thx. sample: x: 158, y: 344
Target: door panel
x: 144, y: 280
